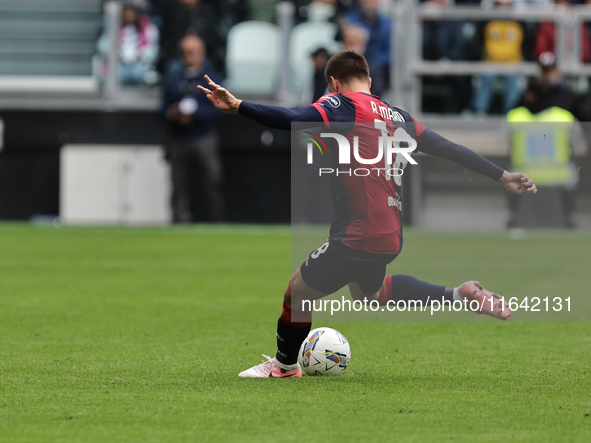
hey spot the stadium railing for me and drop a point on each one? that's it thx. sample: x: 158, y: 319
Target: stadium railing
x: 409, y: 66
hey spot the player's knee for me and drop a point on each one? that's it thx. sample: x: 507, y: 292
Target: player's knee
x: 287, y: 295
x: 356, y: 292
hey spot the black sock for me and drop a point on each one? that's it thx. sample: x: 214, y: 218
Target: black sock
x: 449, y: 294
x: 289, y: 340
x: 406, y: 287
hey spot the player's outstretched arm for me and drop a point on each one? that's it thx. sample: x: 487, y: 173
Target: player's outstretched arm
x: 434, y: 144
x: 517, y: 183
x: 221, y: 98
x: 271, y: 116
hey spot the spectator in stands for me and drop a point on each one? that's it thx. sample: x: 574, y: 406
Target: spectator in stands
x: 379, y: 27
x: 518, y: 3
x: 320, y: 59
x: 324, y: 10
x: 446, y: 40
x: 545, y: 40
x: 443, y: 39
x: 356, y: 38
x: 238, y: 9
x: 503, y: 41
x: 211, y: 20
x: 192, y: 145
x: 138, y: 45
x: 550, y: 89
x: 157, y: 10
x: 529, y: 26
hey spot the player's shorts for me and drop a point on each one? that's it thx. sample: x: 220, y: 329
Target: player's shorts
x: 333, y: 266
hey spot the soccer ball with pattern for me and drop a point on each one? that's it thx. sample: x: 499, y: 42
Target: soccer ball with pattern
x: 324, y: 352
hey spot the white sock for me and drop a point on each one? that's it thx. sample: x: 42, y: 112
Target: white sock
x: 284, y: 366
x: 457, y: 295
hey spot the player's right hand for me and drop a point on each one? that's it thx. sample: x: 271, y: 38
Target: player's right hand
x: 220, y: 97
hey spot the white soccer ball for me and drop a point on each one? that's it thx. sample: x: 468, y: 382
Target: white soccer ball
x: 324, y: 352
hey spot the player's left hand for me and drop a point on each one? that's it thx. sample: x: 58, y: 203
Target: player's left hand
x: 517, y: 183
x: 221, y: 98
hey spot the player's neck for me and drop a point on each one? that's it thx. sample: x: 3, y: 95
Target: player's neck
x: 355, y: 86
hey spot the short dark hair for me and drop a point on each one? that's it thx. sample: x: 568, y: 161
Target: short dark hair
x: 346, y: 66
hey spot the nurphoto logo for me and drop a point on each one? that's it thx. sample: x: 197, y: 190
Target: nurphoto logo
x: 393, y: 151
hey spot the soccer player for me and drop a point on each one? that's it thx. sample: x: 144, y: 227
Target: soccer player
x: 359, y: 248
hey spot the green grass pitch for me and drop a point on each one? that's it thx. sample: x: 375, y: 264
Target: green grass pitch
x: 137, y: 335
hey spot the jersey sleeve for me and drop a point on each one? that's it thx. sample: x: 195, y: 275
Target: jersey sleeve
x: 431, y: 143
x: 419, y: 127
x: 278, y: 117
x: 335, y: 108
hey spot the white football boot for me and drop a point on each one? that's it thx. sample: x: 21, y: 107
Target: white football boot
x: 269, y: 369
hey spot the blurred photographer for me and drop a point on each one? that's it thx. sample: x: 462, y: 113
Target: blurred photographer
x: 192, y: 145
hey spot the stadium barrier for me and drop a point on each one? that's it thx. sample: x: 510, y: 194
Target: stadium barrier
x: 110, y: 184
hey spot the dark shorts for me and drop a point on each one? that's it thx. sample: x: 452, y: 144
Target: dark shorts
x: 333, y: 266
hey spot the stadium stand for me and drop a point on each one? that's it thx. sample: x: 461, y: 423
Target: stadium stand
x: 48, y: 38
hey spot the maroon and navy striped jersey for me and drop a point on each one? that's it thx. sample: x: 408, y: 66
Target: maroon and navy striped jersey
x: 368, y: 204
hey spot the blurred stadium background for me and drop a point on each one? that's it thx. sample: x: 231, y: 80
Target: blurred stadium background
x: 82, y: 143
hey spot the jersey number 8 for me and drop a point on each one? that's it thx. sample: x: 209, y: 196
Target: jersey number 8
x: 321, y: 250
